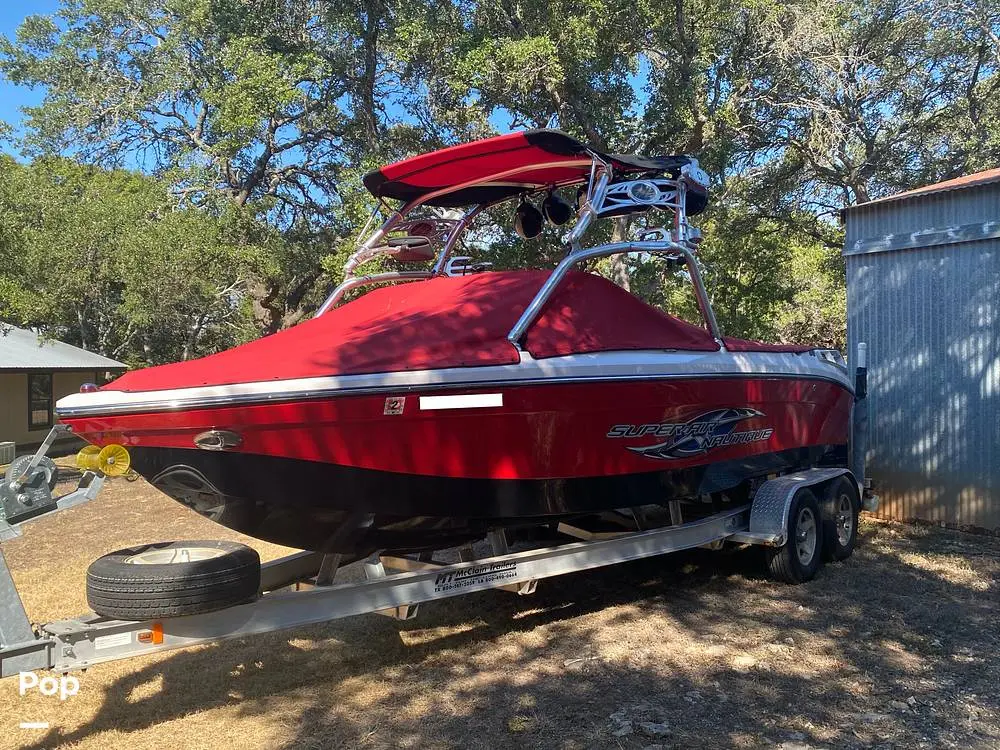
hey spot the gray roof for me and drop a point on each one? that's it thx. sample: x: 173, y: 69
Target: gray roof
x: 25, y: 350
x: 966, y: 181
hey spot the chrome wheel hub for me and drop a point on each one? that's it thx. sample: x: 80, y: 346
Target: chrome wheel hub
x: 805, y: 536
x: 844, y: 520
x: 172, y: 555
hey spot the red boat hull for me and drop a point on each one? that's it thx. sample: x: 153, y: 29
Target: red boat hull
x: 389, y: 469
x: 539, y: 432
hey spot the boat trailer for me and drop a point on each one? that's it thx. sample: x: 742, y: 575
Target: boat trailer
x: 301, y: 589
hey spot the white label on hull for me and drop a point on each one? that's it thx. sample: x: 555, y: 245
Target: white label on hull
x: 473, y: 401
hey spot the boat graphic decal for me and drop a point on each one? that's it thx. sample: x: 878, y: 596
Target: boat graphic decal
x: 712, y: 429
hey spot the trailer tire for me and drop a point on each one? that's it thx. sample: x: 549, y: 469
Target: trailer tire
x: 840, y: 526
x: 172, y: 579
x: 798, y: 559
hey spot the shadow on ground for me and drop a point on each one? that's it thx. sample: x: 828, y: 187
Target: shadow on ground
x: 896, y: 648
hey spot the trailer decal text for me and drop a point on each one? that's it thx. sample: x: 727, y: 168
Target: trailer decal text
x: 479, y: 575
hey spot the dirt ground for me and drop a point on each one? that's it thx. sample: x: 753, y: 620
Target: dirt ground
x: 897, y: 647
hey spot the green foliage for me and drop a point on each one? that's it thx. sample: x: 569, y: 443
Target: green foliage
x: 106, y: 260
x: 747, y: 263
x: 264, y: 114
x: 818, y: 309
x: 255, y: 104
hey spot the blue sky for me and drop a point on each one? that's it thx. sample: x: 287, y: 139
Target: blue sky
x: 12, y: 12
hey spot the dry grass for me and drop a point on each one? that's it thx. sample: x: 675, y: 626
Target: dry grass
x: 895, y: 648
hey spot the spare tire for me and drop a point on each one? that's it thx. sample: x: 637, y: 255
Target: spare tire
x: 172, y: 579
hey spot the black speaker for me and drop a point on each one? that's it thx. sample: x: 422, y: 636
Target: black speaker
x: 528, y: 220
x: 557, y: 211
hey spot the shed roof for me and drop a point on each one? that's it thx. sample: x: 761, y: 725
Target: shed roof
x: 21, y: 349
x: 966, y: 181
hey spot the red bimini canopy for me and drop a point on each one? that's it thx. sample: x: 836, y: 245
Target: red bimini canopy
x: 508, y: 165
x: 443, y: 322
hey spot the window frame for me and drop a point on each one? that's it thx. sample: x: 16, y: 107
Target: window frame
x: 32, y: 424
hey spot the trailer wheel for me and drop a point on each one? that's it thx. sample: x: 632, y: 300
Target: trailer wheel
x: 172, y: 579
x: 801, y: 555
x: 840, y: 527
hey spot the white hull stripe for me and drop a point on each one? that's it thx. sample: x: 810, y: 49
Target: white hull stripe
x: 468, y: 401
x: 604, y: 366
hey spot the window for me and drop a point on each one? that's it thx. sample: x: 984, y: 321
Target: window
x: 39, y: 400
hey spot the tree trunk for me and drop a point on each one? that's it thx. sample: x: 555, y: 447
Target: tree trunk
x: 267, y: 312
x: 618, y: 264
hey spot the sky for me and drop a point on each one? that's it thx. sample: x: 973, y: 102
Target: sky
x: 12, y: 12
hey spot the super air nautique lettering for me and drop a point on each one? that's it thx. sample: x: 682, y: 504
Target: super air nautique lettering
x: 712, y: 429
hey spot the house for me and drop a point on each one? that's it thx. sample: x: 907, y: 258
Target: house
x: 34, y: 374
x: 923, y: 291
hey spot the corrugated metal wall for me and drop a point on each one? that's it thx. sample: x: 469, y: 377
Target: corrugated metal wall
x: 928, y: 305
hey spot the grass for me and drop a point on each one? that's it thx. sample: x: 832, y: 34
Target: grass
x: 897, y: 647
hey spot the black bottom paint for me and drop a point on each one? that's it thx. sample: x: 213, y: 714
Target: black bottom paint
x: 331, y: 508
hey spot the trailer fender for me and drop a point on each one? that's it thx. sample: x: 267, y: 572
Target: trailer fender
x: 773, y: 500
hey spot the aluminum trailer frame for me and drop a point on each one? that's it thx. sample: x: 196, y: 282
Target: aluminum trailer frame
x: 395, y: 586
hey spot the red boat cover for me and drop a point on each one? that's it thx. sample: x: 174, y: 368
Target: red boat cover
x: 530, y: 160
x: 443, y: 322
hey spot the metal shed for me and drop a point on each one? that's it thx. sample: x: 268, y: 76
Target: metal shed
x: 923, y: 290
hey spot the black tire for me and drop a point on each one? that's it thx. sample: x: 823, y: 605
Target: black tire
x: 132, y: 584
x: 788, y: 563
x: 840, y: 524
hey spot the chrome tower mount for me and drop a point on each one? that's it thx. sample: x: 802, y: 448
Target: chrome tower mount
x: 434, y: 237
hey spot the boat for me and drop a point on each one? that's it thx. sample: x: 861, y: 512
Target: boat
x: 434, y: 399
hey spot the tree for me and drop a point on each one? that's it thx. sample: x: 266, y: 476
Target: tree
x: 277, y: 107
x: 262, y: 104
x: 651, y: 78
x: 877, y: 97
x: 106, y: 260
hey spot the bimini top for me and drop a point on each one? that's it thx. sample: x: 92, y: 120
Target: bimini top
x: 498, y: 168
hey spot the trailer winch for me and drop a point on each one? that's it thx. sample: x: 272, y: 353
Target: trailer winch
x: 27, y: 489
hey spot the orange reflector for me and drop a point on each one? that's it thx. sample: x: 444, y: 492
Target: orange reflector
x: 153, y: 636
